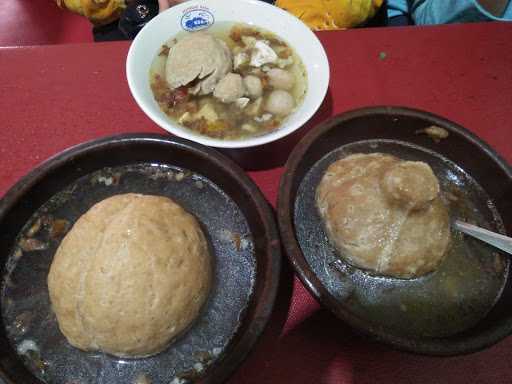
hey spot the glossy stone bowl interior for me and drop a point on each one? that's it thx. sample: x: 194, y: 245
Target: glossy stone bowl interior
x: 236, y: 218
x: 373, y: 304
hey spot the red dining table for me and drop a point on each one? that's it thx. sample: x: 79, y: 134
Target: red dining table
x: 53, y: 97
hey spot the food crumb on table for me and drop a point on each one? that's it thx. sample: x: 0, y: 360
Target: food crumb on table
x: 435, y: 133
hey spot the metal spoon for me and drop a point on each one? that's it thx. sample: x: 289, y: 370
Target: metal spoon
x: 499, y: 241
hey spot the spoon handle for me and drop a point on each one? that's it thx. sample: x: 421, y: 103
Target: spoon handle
x: 499, y: 241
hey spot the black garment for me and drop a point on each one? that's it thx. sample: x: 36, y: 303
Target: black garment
x: 380, y: 19
x: 136, y: 15
x: 109, y: 32
x: 399, y: 21
x: 139, y: 12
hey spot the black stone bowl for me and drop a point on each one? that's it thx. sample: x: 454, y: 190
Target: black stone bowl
x: 406, y: 313
x: 235, y: 216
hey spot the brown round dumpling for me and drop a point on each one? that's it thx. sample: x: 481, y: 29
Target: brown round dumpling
x: 375, y: 232
x: 130, y: 276
x: 412, y: 183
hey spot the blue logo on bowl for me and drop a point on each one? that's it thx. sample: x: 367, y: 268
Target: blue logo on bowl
x: 196, y: 18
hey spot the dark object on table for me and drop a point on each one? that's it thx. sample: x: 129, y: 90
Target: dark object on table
x: 380, y: 19
x: 209, y: 186
x: 136, y: 15
x: 380, y: 306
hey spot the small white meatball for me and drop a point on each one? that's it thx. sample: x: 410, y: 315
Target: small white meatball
x: 280, y: 103
x: 230, y: 88
x: 280, y: 79
x: 253, y: 86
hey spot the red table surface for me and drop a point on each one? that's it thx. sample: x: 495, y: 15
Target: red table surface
x: 53, y: 97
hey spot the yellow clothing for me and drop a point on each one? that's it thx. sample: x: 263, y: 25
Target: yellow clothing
x: 99, y: 12
x: 331, y: 14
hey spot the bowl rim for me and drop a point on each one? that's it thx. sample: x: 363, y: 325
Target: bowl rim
x: 238, y: 348
x: 219, y: 143
x: 435, y: 346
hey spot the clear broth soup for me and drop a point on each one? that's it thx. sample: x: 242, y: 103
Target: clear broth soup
x: 249, y: 115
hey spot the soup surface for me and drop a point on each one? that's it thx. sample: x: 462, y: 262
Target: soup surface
x: 453, y: 298
x: 31, y: 325
x: 230, y: 82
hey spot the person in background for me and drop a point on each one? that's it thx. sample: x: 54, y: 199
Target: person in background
x: 117, y: 19
x: 332, y: 14
x: 123, y: 19
x: 424, y: 12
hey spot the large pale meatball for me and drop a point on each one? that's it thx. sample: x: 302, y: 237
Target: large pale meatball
x: 280, y: 103
x: 198, y: 55
x: 281, y: 79
x: 131, y: 275
x: 230, y: 88
x: 389, y: 236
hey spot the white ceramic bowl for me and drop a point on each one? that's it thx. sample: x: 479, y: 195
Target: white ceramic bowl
x: 253, y: 12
